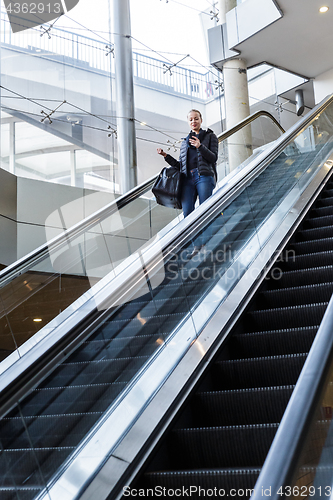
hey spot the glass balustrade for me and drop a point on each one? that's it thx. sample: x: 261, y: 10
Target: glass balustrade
x: 177, y: 291
x: 37, y: 295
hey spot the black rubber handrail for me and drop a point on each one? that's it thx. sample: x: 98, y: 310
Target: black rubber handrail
x: 32, y: 258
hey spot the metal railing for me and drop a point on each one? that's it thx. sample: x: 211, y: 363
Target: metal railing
x: 96, y: 55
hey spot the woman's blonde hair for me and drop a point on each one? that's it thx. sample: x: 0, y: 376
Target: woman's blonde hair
x: 195, y: 111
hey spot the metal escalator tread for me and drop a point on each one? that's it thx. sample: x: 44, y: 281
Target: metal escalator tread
x: 316, y: 233
x: 314, y: 246
x: 273, y: 342
x: 300, y: 277
x: 221, y: 408
x: 283, y: 317
x: 322, y: 211
x: 247, y: 387
x: 258, y: 372
x: 32, y: 466
x: 303, y: 261
x: 321, y: 221
x: 86, y: 399
x: 326, y: 202
x: 128, y: 346
x: 243, y: 445
x: 220, y: 478
x: 318, y: 292
x: 328, y: 192
x: 39, y: 431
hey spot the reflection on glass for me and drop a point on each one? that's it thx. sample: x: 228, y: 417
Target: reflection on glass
x: 314, y: 472
x: 243, y: 144
x: 5, y: 145
x: 67, y: 272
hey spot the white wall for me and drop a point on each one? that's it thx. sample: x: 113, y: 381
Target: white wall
x: 25, y: 206
x: 323, y: 85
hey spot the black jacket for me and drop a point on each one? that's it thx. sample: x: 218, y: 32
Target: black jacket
x: 207, y: 155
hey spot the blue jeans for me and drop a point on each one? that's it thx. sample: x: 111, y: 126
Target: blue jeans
x: 193, y: 186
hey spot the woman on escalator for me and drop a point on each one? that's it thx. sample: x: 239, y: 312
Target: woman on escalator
x: 197, y: 161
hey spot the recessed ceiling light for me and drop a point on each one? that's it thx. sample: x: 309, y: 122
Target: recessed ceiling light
x: 37, y: 320
x: 323, y: 9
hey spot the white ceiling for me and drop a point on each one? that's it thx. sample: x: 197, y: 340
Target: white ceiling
x: 300, y: 42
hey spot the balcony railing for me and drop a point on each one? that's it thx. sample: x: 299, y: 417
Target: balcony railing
x: 85, y: 52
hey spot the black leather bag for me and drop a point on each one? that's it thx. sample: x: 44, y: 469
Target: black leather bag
x: 167, y: 188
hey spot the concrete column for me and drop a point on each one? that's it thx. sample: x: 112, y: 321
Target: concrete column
x: 237, y: 108
x: 73, y: 167
x: 236, y: 91
x: 12, y: 147
x: 236, y: 98
x: 127, y: 162
x: 222, y: 11
x: 230, y: 4
x: 224, y: 6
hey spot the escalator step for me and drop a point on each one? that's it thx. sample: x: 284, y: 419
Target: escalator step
x: 272, y: 343
x: 224, y: 480
x: 324, y: 202
x: 287, y: 317
x: 308, y: 260
x: 322, y: 274
x: 324, y: 221
x: 315, y: 233
x: 270, y: 371
x: 125, y: 328
x: 321, y: 211
x: 320, y: 292
x: 327, y: 193
x: 173, y: 288
x: 320, y: 245
x: 236, y: 446
x: 241, y: 407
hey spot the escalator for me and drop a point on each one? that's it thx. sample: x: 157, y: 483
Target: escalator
x: 221, y: 439
x: 77, y: 392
